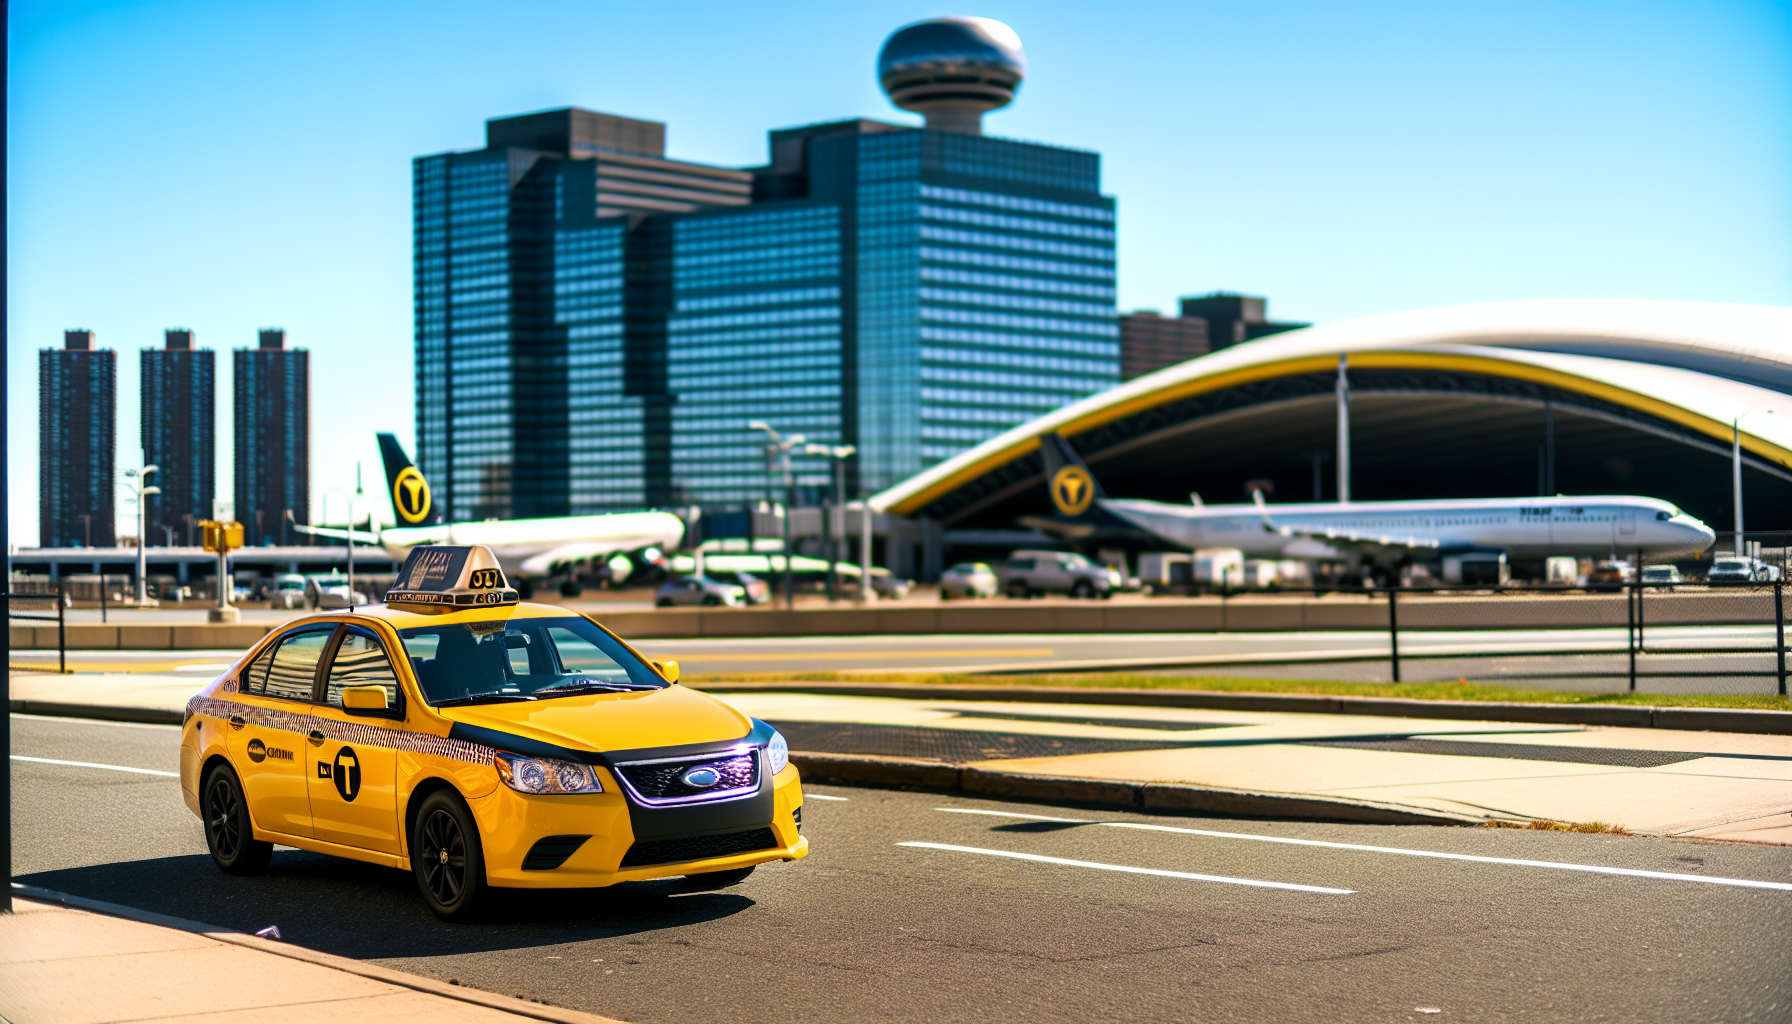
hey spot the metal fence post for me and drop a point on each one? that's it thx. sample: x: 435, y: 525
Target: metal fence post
x: 1630, y: 595
x: 1779, y: 631
x: 61, y: 632
x: 1394, y: 629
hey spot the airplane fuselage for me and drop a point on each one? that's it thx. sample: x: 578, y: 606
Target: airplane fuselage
x: 1520, y: 527
x: 541, y: 547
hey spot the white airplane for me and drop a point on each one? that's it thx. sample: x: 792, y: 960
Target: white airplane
x: 529, y: 550
x: 1379, y: 533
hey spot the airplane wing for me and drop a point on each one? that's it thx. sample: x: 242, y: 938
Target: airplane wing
x: 1338, y: 535
x: 328, y: 531
x: 555, y: 561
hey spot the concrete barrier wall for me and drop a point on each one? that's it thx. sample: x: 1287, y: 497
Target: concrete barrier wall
x: 1242, y: 615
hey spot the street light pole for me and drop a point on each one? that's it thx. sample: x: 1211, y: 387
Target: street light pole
x: 1736, y: 472
x: 839, y: 453
x: 137, y: 478
x: 778, y: 446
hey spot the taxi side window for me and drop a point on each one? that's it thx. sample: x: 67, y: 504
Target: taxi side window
x: 255, y: 678
x: 360, y: 661
x: 294, y: 668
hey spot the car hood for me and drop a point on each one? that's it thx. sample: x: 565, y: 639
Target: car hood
x: 628, y: 721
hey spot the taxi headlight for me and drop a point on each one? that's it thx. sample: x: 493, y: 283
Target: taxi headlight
x: 777, y: 753
x: 545, y: 774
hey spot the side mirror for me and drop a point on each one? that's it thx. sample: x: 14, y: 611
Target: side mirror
x: 363, y: 699
x: 667, y: 669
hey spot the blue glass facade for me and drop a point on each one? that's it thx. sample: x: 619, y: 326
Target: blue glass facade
x: 594, y: 328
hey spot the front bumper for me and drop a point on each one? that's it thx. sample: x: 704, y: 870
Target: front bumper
x: 511, y: 824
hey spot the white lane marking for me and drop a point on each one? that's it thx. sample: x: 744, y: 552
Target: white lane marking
x: 820, y: 796
x: 1747, y: 883
x: 90, y: 764
x: 1191, y: 876
x: 1005, y: 814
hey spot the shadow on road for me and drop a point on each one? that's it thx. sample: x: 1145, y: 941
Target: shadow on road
x: 368, y: 912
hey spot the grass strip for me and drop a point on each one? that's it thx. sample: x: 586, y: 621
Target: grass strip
x: 1456, y: 690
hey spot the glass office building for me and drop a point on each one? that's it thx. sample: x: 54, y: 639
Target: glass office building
x: 596, y: 325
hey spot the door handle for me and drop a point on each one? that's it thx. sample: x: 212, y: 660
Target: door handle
x: 236, y: 722
x: 317, y: 737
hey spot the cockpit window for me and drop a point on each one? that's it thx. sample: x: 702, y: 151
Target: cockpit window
x: 522, y: 659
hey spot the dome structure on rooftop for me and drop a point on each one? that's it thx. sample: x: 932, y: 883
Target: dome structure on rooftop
x: 952, y: 70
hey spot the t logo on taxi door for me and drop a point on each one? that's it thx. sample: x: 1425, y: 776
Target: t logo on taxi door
x: 346, y: 772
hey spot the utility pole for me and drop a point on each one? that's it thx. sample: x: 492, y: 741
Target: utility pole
x: 1343, y: 429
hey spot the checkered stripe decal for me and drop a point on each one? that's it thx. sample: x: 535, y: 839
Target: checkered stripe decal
x: 359, y: 733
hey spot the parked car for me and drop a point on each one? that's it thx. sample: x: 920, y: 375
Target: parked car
x: 886, y: 584
x: 1610, y: 573
x: 969, y: 579
x: 288, y: 591
x: 1742, y: 570
x: 1031, y: 573
x: 1662, y: 574
x: 700, y: 590
x: 758, y: 592
x: 324, y: 593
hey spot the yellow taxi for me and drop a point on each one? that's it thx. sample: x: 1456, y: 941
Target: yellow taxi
x: 481, y: 742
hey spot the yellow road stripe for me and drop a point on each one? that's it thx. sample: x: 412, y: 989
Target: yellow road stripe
x: 1010, y: 652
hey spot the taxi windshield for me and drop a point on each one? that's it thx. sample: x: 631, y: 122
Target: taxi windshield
x: 521, y: 660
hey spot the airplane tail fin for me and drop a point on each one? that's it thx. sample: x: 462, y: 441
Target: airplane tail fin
x: 412, y: 500
x: 1073, y: 488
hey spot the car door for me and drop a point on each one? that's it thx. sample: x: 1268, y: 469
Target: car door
x: 352, y: 758
x: 267, y: 741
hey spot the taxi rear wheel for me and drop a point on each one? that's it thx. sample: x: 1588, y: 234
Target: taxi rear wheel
x: 717, y: 879
x: 447, y: 858
x: 228, y: 833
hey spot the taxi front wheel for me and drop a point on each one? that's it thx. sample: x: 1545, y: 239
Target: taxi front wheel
x: 447, y: 858
x: 228, y: 833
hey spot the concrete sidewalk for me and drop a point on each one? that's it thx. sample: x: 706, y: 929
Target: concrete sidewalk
x: 62, y: 964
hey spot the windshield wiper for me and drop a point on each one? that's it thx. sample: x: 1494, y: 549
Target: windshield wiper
x: 483, y: 698
x: 573, y: 689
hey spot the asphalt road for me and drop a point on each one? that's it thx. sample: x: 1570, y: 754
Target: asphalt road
x: 869, y: 928
x: 1492, y: 655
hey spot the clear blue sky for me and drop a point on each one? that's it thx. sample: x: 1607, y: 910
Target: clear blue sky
x: 226, y: 166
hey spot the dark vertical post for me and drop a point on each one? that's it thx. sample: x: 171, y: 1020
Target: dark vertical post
x: 61, y: 634
x: 1549, y: 445
x: 1779, y: 631
x: 827, y: 530
x: 102, y: 593
x: 6, y: 682
x: 789, y: 503
x: 1394, y: 629
x: 1630, y: 589
x: 1640, y: 591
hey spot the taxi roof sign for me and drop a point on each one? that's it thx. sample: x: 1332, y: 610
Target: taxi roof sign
x: 451, y: 576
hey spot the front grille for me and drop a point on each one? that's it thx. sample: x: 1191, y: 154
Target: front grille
x: 663, y: 781
x: 671, y: 851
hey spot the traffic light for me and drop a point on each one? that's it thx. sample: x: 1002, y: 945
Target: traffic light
x: 221, y: 536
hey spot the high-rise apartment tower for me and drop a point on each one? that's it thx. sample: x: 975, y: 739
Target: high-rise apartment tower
x: 271, y: 410
x: 77, y: 422
x: 179, y: 432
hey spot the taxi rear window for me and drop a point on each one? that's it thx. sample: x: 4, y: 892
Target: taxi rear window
x: 521, y: 659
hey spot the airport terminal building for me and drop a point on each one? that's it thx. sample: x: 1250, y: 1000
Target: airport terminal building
x: 1498, y: 400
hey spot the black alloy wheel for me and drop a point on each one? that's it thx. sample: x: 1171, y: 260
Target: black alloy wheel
x: 711, y: 880
x: 446, y: 857
x: 1083, y: 589
x: 228, y: 833
x: 711, y: 601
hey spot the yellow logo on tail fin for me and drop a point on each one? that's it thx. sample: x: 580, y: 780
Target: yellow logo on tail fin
x: 1073, y: 489
x: 410, y: 495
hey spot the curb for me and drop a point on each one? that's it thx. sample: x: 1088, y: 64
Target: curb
x: 490, y: 1000
x: 153, y: 716
x: 1634, y: 716
x: 1146, y: 797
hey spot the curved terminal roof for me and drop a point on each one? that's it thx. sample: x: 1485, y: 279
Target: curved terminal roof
x: 1690, y: 367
